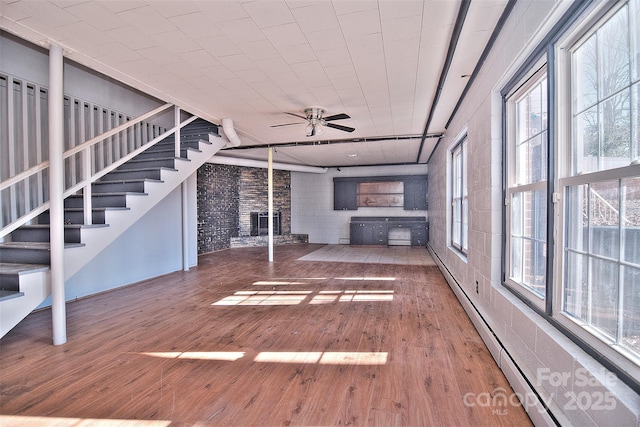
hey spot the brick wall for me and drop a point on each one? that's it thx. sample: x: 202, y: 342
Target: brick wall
x: 218, y: 200
x: 226, y: 197
x: 254, y: 194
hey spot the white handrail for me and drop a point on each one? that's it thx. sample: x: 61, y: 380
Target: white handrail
x: 115, y: 130
x: 85, y: 184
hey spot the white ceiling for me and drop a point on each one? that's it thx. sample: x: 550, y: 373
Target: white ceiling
x: 379, y: 61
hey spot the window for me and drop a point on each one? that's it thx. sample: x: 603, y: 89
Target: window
x: 459, y: 197
x: 526, y: 195
x: 577, y: 260
x: 600, y: 187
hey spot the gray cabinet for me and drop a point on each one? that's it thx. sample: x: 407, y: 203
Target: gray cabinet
x: 375, y: 230
x: 415, y: 195
x: 411, y: 195
x: 368, y: 233
x: 419, y: 235
x: 345, y: 195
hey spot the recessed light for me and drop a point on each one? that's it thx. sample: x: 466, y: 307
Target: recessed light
x: 352, y: 155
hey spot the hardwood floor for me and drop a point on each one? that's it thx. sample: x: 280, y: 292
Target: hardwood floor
x: 239, y: 341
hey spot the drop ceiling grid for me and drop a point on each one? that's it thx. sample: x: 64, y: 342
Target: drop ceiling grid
x: 378, y: 61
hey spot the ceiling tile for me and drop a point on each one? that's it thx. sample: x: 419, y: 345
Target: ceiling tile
x: 169, y: 9
x: 116, y: 6
x: 339, y: 56
x: 310, y: 73
x: 196, y: 25
x: 131, y: 37
x: 199, y: 58
x: 97, y: 15
x: 269, y: 14
x: 45, y: 12
x: 176, y: 41
x: 261, y: 49
x: 159, y: 55
x: 406, y: 28
x: 354, y: 6
x: 242, y: 30
x: 298, y: 53
x: 285, y: 35
x: 236, y: 62
x: 221, y: 11
x: 147, y: 20
x: 325, y: 40
x: 359, y: 23
x: 219, y: 45
x: 401, y: 8
x: 317, y: 17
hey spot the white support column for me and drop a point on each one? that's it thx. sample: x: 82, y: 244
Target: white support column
x: 185, y: 225
x: 56, y: 193
x: 270, y: 201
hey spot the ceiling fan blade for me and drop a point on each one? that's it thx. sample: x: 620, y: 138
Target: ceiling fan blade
x: 336, y: 117
x: 339, y: 127
x: 287, y: 124
x: 296, y: 115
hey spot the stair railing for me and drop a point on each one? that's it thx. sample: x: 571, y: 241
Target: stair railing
x: 89, y: 152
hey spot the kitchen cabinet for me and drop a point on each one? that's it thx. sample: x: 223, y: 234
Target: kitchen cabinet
x: 406, y: 191
x: 345, y: 195
x: 375, y: 230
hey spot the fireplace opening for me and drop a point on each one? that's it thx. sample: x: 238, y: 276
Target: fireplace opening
x: 260, y: 223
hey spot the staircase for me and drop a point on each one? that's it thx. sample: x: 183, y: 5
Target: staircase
x: 119, y: 199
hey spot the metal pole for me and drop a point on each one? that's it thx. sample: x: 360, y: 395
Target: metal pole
x: 56, y: 192
x: 270, y: 201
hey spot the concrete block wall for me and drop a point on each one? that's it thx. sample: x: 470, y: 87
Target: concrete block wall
x: 523, y: 342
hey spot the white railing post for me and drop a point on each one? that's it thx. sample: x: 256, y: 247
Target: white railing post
x: 176, y: 115
x: 87, y: 203
x: 56, y: 193
x: 185, y: 225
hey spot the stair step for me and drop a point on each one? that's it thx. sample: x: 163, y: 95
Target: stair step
x: 28, y: 252
x: 131, y: 185
x: 41, y: 232
x: 5, y: 295
x: 168, y: 162
x: 164, y: 144
x: 150, y: 173
x: 164, y: 152
x: 76, y: 215
x: 101, y: 200
x: 10, y: 274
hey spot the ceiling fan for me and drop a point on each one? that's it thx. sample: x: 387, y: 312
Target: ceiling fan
x: 315, y: 119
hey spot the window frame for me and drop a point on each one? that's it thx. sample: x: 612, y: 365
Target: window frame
x: 460, y: 244
x: 597, y: 340
x: 511, y: 187
x: 577, y: 20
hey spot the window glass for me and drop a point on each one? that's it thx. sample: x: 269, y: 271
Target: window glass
x: 459, y: 198
x: 527, y: 194
x: 602, y: 93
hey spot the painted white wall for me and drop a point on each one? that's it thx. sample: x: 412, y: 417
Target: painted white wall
x: 150, y: 248
x: 30, y: 63
x: 519, y: 339
x: 312, y: 202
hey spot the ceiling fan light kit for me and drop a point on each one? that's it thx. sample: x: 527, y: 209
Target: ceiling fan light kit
x: 315, y: 119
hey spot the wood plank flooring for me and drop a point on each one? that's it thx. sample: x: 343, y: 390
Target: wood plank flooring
x: 239, y: 341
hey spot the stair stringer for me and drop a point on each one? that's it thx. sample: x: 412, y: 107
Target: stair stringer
x: 96, y: 240
x: 35, y: 287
